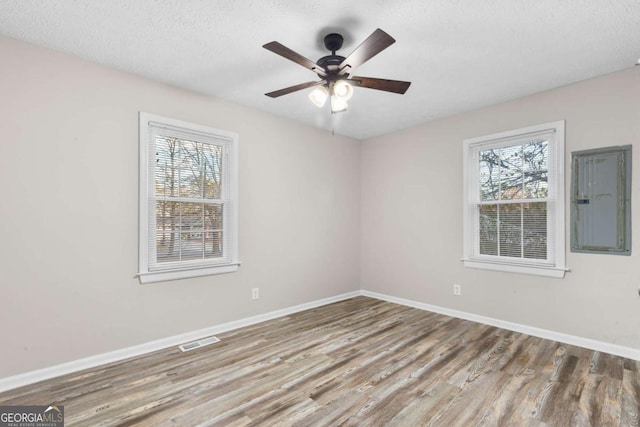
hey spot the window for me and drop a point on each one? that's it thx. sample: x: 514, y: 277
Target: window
x: 188, y: 200
x: 514, y: 201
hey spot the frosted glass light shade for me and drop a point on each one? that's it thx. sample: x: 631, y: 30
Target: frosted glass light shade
x: 343, y: 90
x: 319, y: 96
x: 338, y: 104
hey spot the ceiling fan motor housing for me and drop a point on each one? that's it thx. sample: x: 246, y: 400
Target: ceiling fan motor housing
x: 331, y: 63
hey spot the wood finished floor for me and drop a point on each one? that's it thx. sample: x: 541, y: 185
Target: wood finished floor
x: 360, y: 362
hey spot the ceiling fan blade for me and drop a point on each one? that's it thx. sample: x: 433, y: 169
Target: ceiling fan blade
x: 290, y: 89
x: 291, y: 55
x: 373, y: 45
x: 395, y: 86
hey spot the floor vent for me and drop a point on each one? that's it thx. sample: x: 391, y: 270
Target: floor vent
x: 197, y: 344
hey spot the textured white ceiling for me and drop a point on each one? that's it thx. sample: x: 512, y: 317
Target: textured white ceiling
x: 458, y: 54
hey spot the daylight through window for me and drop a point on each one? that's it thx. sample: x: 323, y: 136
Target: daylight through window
x: 189, y: 209
x: 514, y: 191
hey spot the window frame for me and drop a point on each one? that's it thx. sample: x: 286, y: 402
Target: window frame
x: 554, y: 267
x: 148, y: 272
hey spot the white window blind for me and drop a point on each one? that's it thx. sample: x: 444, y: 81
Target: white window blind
x: 514, y: 200
x: 188, y: 199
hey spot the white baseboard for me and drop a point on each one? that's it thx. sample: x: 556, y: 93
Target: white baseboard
x: 618, y: 350
x: 32, y: 377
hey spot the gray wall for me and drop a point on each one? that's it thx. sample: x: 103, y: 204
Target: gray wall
x: 69, y: 213
x: 412, y: 217
x: 319, y: 215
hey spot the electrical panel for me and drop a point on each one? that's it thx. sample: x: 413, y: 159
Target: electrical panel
x: 601, y: 200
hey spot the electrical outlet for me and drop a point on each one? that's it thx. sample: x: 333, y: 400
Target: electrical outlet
x: 255, y: 293
x: 457, y: 289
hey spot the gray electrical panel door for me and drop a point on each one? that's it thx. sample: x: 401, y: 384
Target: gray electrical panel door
x: 601, y: 200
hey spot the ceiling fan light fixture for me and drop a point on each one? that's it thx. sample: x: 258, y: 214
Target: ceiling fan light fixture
x: 319, y: 96
x: 343, y: 90
x: 338, y: 104
x: 334, y: 70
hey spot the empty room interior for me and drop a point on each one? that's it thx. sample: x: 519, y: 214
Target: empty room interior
x: 445, y: 238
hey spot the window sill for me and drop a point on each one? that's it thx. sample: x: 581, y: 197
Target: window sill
x: 163, y: 276
x: 554, y: 272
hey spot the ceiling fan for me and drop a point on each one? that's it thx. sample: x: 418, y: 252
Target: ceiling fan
x: 333, y: 70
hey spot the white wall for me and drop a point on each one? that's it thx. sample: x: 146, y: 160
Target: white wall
x: 69, y: 213
x: 411, y: 206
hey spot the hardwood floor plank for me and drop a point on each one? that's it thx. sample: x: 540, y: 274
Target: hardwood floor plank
x: 597, y: 400
x: 333, y: 413
x: 360, y: 362
x: 516, y: 405
x: 630, y: 400
x: 420, y: 409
